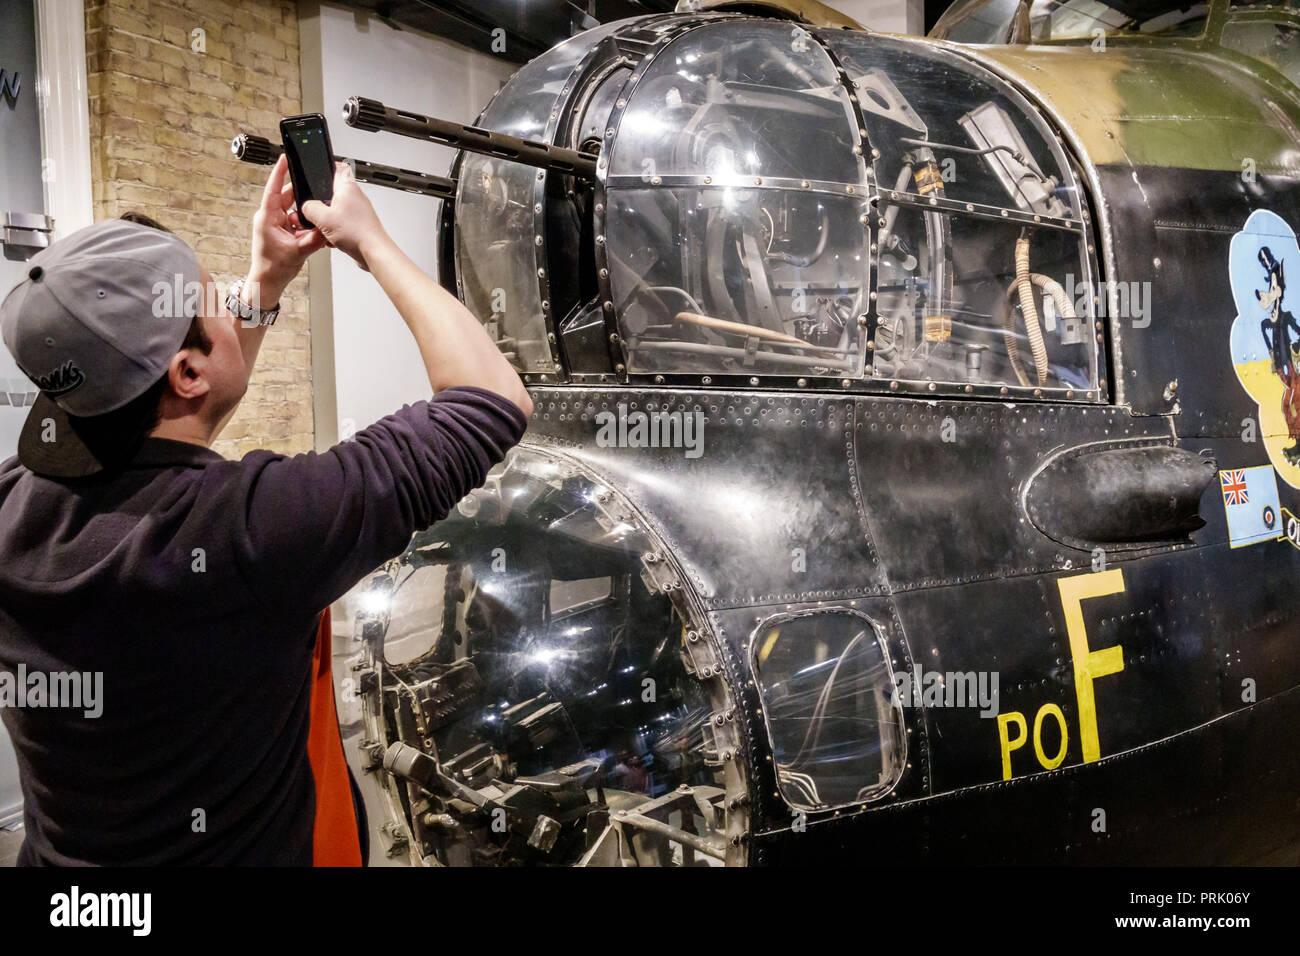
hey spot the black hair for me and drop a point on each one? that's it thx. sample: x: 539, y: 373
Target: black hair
x: 143, y: 220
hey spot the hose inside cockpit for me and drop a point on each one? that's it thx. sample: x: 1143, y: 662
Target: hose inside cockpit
x: 1024, y: 286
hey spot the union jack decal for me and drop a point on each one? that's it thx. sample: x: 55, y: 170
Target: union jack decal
x: 1234, y: 487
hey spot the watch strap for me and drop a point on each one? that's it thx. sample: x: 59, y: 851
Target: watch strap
x: 246, y: 313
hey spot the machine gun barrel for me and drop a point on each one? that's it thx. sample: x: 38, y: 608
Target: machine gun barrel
x: 373, y: 116
x: 262, y: 152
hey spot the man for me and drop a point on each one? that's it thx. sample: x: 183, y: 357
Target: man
x: 191, y: 585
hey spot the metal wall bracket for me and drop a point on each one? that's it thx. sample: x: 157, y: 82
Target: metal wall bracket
x: 26, y: 233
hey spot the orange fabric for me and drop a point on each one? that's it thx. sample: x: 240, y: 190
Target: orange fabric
x: 335, y: 841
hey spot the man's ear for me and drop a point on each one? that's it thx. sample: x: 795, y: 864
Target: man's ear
x: 186, y: 374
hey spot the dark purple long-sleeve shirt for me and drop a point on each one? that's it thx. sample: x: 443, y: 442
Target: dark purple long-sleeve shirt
x: 193, y: 584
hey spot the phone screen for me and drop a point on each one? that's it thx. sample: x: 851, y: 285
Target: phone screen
x: 311, y: 159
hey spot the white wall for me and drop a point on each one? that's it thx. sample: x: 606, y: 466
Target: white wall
x: 885, y: 16
x: 372, y: 359
x: 49, y: 173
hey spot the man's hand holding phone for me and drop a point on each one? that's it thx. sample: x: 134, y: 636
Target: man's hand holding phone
x: 280, y: 244
x: 349, y: 222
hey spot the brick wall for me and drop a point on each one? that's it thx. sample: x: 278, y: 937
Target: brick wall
x: 162, y: 115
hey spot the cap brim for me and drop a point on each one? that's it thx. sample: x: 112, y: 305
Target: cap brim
x: 58, y: 445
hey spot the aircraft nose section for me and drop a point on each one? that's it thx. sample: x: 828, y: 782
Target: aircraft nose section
x: 534, y: 687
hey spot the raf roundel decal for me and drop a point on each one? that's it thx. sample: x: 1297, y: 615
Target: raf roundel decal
x: 1265, y: 336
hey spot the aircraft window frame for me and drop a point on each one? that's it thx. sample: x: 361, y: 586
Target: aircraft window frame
x: 875, y: 197
x: 1232, y: 37
x: 978, y: 21
x: 513, y: 302
x: 871, y: 630
x: 1005, y: 118
x: 500, y: 687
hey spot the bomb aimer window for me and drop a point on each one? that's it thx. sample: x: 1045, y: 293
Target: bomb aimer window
x: 834, y: 722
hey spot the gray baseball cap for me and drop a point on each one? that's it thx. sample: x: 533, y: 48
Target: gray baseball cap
x: 94, y: 324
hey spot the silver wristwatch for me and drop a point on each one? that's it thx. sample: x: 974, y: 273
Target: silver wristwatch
x: 246, y: 314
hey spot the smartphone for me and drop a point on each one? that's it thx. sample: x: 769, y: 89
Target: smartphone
x: 307, y: 146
